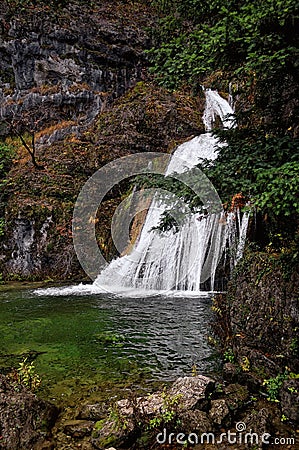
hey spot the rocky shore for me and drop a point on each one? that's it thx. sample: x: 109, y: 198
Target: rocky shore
x: 193, y: 412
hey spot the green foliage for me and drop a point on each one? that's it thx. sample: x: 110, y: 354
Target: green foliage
x: 27, y: 375
x: 170, y: 186
x: 182, y: 194
x: 229, y: 356
x: 245, y: 364
x: 2, y: 226
x: 264, y: 168
x: 256, y: 44
x: 247, y: 155
x: 273, y: 386
x: 168, y: 414
x: 109, y: 338
x: 248, y: 38
x: 294, y: 345
x: 279, y: 189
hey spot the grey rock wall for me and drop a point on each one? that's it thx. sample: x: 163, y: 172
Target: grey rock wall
x: 66, y: 63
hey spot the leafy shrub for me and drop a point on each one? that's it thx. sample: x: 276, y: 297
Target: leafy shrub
x: 279, y: 189
x: 273, y: 386
x: 27, y: 375
x: 248, y: 38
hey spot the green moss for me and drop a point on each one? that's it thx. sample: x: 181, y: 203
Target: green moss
x: 99, y: 424
x: 108, y: 441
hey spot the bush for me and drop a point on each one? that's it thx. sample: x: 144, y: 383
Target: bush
x: 279, y: 189
x: 254, y: 39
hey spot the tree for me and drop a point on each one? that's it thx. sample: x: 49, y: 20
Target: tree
x: 20, y: 123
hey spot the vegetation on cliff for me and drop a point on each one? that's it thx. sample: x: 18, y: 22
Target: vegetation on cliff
x: 71, y: 73
x: 252, y: 49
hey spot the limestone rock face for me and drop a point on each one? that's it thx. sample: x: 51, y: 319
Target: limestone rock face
x: 65, y: 61
x: 290, y: 400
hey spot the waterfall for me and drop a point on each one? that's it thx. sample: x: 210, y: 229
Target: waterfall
x: 188, y: 258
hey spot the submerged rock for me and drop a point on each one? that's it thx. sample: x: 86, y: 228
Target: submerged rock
x: 96, y: 411
x: 78, y: 428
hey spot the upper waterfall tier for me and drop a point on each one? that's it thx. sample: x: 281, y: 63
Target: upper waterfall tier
x: 217, y: 106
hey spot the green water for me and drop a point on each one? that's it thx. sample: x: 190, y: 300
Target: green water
x: 95, y: 344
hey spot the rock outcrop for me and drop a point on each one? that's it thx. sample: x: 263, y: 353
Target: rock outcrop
x: 258, y: 318
x: 25, y: 420
x: 39, y: 203
x: 67, y: 62
x: 193, y: 410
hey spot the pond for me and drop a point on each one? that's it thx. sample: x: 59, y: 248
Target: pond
x: 96, y: 344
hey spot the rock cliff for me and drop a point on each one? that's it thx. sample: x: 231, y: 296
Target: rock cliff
x: 68, y: 61
x: 74, y: 84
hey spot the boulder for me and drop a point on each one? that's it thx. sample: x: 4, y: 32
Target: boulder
x: 236, y: 395
x: 96, y: 411
x: 149, y: 406
x: 230, y: 372
x: 195, y: 422
x: 192, y: 392
x: 116, y: 432
x: 258, y: 422
x: 219, y: 412
x: 189, y: 393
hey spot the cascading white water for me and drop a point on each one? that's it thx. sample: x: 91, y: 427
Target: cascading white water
x: 185, y: 259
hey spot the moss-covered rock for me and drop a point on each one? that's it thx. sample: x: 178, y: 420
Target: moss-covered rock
x: 259, y: 316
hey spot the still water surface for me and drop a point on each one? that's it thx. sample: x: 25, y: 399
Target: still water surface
x: 99, y: 341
